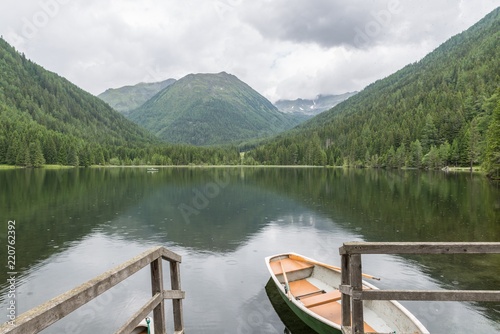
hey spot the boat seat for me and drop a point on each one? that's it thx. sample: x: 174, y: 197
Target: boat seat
x: 302, y: 287
x: 289, y: 265
x: 323, y: 298
x: 332, y: 311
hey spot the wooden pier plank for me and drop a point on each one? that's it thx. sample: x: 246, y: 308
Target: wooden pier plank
x: 351, y: 271
x: 42, y: 316
x: 434, y: 295
x: 420, y: 248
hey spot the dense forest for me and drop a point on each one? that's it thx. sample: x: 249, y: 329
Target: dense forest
x: 45, y: 119
x: 441, y: 111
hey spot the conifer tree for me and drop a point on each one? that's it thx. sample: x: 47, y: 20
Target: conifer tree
x: 492, y: 158
x: 36, y: 158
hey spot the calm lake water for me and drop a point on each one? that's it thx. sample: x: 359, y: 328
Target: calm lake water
x: 72, y: 225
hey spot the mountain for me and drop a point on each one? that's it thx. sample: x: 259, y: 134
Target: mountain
x: 313, y: 107
x: 127, y: 98
x: 44, y: 118
x: 432, y: 113
x: 210, y: 109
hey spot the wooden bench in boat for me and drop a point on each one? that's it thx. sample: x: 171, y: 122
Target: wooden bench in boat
x: 321, y: 299
x: 289, y: 266
x: 323, y: 303
x: 302, y: 288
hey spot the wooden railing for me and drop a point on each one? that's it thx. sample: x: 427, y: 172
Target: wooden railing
x: 353, y: 294
x: 41, y: 317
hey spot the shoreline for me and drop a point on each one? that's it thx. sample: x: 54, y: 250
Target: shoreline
x: 475, y: 170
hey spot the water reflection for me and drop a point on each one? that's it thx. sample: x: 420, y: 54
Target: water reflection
x: 75, y: 224
x: 291, y: 322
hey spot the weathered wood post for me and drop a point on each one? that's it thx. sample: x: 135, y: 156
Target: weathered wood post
x: 175, y: 279
x: 157, y: 287
x: 346, y: 299
x: 357, y: 288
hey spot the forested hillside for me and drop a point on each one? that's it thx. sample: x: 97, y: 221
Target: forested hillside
x: 433, y: 113
x: 210, y: 109
x: 46, y: 119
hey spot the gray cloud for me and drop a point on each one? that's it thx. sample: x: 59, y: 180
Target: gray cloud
x: 359, y: 23
x: 325, y: 22
x: 283, y: 49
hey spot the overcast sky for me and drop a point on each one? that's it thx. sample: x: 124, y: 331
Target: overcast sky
x: 282, y: 48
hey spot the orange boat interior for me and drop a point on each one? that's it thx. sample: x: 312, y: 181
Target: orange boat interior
x: 324, y: 304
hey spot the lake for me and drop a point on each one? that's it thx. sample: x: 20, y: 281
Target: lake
x: 74, y: 224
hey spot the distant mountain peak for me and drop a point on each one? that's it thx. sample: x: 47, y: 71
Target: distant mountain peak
x: 126, y: 98
x: 312, y: 107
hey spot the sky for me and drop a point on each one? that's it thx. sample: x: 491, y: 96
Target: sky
x: 284, y: 49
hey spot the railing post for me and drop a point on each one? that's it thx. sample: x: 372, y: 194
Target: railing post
x: 357, y: 288
x: 157, y: 287
x: 175, y: 278
x: 346, y: 299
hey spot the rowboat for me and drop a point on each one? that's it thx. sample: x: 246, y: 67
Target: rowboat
x: 310, y: 289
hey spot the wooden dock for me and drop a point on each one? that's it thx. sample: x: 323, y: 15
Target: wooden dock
x: 351, y: 288
x: 352, y: 295
x: 41, y: 317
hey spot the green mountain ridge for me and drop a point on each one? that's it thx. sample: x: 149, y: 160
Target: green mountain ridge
x: 45, y: 119
x: 210, y: 109
x: 432, y: 113
x: 127, y: 98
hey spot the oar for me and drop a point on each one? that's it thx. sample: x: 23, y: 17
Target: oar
x: 287, y: 286
x: 300, y: 258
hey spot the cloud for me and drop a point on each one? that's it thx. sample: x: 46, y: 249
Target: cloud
x: 325, y: 22
x: 358, y: 23
x: 283, y: 49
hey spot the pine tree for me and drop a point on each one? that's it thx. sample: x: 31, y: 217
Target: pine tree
x: 391, y: 158
x: 444, y: 153
x: 36, y: 155
x: 3, y: 150
x: 50, y: 151
x: 12, y: 151
x: 455, y: 152
x: 400, y: 157
x: 429, y: 133
x: 62, y: 154
x: 474, y: 149
x: 23, y: 156
x: 492, y: 157
x: 73, y: 159
x: 416, y: 154
x: 432, y: 160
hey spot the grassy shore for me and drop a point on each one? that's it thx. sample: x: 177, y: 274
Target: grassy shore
x: 465, y: 169
x: 57, y: 167
x: 475, y: 169
x: 8, y: 167
x: 44, y: 167
x: 207, y: 166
